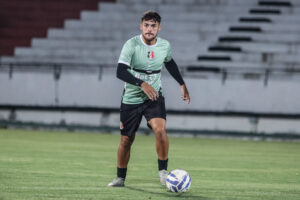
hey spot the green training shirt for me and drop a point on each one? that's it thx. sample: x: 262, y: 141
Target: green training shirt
x: 137, y: 54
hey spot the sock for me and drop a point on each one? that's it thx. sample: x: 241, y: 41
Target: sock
x: 121, y: 172
x: 162, y: 164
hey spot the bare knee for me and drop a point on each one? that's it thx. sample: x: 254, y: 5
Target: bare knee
x: 160, y: 133
x: 126, y: 142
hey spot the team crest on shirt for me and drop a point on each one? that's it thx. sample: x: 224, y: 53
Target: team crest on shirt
x: 121, y: 126
x: 150, y: 54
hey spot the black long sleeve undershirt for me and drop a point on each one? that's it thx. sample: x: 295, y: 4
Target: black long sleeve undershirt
x: 125, y: 75
x: 172, y: 68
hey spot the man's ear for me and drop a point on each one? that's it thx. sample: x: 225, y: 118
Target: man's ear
x: 141, y: 26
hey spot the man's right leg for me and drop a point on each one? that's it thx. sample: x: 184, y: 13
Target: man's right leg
x: 124, y: 151
x: 130, y: 119
x: 123, y: 159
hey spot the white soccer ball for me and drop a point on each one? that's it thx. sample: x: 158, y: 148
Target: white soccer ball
x: 178, y: 180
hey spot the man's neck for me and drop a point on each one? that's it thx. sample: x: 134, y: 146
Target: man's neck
x: 152, y: 42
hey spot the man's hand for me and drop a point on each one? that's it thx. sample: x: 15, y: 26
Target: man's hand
x: 149, y: 91
x: 185, y: 94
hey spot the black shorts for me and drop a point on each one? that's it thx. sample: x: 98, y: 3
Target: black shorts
x: 131, y: 114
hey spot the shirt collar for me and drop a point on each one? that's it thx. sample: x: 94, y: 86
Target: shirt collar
x: 154, y: 45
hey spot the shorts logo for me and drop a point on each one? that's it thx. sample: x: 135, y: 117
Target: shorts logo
x: 121, y: 126
x: 150, y: 54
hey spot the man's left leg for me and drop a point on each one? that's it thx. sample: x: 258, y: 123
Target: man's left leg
x: 158, y: 126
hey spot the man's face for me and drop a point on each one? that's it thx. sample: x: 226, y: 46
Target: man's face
x: 149, y: 29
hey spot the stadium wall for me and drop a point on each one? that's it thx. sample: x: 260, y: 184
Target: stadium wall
x: 89, y: 98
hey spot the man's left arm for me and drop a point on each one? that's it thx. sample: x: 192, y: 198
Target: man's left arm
x: 175, y: 73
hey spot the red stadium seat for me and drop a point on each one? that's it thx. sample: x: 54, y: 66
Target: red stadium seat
x: 20, y: 20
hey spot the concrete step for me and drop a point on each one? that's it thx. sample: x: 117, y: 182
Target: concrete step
x: 181, y: 61
x: 288, y: 38
x: 275, y: 3
x: 216, y: 20
x: 255, y: 20
x: 108, y: 35
x: 96, y: 52
x: 254, y: 57
x: 68, y: 53
x: 259, y: 47
x: 58, y: 43
x: 106, y: 45
x: 59, y: 60
x: 235, y: 39
x: 270, y: 27
x: 168, y: 27
x: 49, y: 5
x: 234, y: 57
x: 245, y: 65
x: 117, y: 17
x: 202, y: 2
x: 261, y: 29
x: 88, y: 34
x: 262, y: 46
x: 181, y: 16
x: 173, y: 26
x: 178, y: 45
x: 269, y: 19
x: 161, y: 8
x: 130, y: 31
x: 192, y: 2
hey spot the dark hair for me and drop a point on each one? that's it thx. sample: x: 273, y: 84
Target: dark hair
x: 151, y: 15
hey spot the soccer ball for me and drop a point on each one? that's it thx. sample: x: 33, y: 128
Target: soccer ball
x: 178, y: 180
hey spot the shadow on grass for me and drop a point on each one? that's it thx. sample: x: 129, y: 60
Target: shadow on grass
x: 168, y: 194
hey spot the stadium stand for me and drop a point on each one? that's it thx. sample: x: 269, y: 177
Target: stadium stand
x: 265, y: 38
x: 20, y: 21
x: 107, y: 28
x: 227, y: 51
x: 260, y: 32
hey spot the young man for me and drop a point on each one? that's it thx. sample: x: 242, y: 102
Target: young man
x: 139, y: 65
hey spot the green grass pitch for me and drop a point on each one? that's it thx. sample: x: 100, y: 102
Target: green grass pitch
x: 38, y: 165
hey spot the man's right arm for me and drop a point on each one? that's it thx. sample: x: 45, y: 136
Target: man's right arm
x: 125, y: 75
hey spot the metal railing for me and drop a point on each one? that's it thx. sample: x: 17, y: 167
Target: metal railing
x: 223, y: 73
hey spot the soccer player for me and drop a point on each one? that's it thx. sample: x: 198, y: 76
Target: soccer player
x: 139, y: 65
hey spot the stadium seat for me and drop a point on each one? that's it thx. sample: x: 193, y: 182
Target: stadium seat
x: 23, y: 20
x: 255, y: 33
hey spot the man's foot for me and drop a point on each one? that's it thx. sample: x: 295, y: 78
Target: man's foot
x: 163, y: 176
x: 117, y: 182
